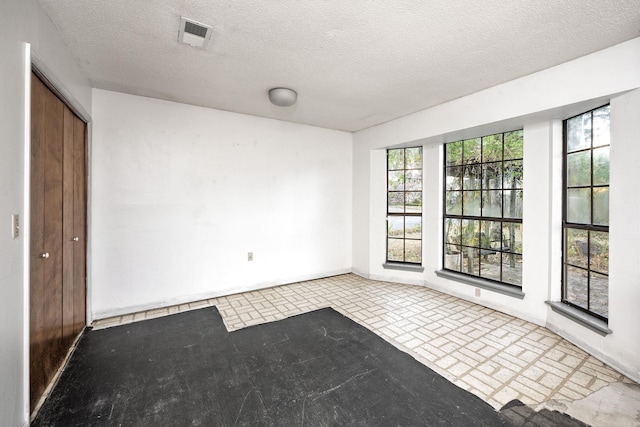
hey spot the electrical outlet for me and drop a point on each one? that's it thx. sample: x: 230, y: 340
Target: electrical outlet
x: 250, y: 256
x: 477, y: 292
x: 15, y: 226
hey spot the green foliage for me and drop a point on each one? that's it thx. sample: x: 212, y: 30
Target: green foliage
x: 413, y: 158
x: 601, y: 166
x: 395, y: 159
x: 492, y: 148
x: 513, y: 145
x: 404, y: 158
x: 453, y: 152
x: 471, y: 151
x: 579, y: 168
x: 493, y: 162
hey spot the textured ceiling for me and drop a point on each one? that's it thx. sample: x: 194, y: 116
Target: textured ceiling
x: 354, y: 63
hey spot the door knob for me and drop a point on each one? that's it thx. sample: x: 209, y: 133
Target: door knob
x: 45, y: 255
x: 76, y: 239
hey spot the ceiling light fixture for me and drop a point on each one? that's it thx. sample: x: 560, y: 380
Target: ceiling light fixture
x: 282, y: 96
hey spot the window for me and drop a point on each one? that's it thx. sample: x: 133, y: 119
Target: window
x: 483, y: 207
x: 404, y: 205
x: 585, y: 279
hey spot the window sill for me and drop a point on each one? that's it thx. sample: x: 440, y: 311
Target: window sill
x: 581, y: 317
x: 403, y: 267
x: 508, y: 290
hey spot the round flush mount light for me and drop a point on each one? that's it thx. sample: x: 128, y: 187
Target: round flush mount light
x: 282, y: 96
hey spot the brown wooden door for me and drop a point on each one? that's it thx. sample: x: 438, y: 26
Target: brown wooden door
x: 57, y: 302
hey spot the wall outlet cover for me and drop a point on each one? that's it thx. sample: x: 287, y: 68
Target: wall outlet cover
x: 15, y: 226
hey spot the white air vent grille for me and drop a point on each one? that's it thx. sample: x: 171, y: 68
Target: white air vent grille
x: 195, y: 29
x: 193, y: 33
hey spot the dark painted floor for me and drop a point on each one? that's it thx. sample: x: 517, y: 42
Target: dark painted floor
x: 316, y: 369
x: 521, y: 415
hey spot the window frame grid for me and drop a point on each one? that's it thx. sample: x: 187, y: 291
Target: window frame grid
x: 404, y: 214
x: 502, y: 219
x: 589, y: 228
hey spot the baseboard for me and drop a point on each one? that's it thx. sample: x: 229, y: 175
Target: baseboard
x: 183, y: 299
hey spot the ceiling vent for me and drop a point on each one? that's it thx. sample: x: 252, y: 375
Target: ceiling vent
x: 194, y: 33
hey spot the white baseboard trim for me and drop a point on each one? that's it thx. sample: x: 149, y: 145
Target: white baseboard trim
x: 183, y: 299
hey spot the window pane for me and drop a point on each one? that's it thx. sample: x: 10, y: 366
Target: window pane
x: 472, y: 177
x: 470, y: 232
x: 492, y: 203
x: 472, y: 151
x: 579, y: 132
x: 452, y: 231
x: 491, y: 235
x: 452, y: 260
x: 471, y: 203
x: 492, y: 176
x: 492, y: 148
x: 395, y: 226
x: 454, y: 178
x: 490, y: 264
x: 395, y: 250
x: 471, y: 261
x: 512, y: 237
x: 413, y: 227
x: 413, y: 251
x: 579, y: 205
x: 513, y: 145
x: 601, y: 121
x: 395, y: 159
x: 579, y: 169
x: 576, y: 286
x: 601, y: 206
x: 599, y: 294
x: 601, y: 166
x: 414, y: 158
x: 576, y: 246
x: 453, y: 203
x: 395, y: 202
x: 599, y: 260
x: 396, y: 181
x: 512, y: 269
x: 513, y: 203
x: 414, y: 180
x: 454, y: 153
x: 413, y: 201
x: 512, y: 174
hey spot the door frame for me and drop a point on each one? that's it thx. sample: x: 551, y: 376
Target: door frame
x: 33, y: 62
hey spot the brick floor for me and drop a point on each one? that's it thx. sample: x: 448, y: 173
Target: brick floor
x: 493, y: 355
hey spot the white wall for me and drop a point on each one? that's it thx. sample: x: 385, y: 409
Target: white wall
x: 536, y: 103
x: 21, y: 21
x: 621, y: 349
x: 181, y: 194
